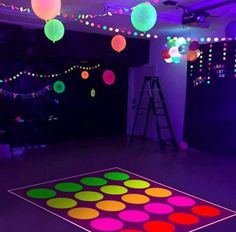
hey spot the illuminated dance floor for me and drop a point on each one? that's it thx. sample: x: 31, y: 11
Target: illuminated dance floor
x: 118, y: 200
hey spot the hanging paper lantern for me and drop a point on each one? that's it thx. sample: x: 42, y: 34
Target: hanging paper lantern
x: 46, y: 9
x: 144, y: 17
x: 176, y: 59
x: 118, y: 43
x: 59, y: 87
x: 191, y: 55
x: 172, y: 43
x: 194, y: 45
x: 230, y: 30
x: 165, y: 53
x: 85, y: 75
x: 93, y: 93
x: 109, y: 77
x: 181, y: 41
x: 54, y: 30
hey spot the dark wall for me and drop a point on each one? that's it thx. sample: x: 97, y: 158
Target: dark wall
x: 79, y: 115
x: 210, y: 120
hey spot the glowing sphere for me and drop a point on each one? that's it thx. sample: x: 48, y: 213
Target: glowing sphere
x: 165, y: 53
x: 230, y: 30
x: 85, y: 75
x: 59, y: 87
x: 192, y: 55
x: 169, y: 60
x: 118, y: 43
x: 109, y: 77
x: 194, y: 45
x: 54, y: 30
x: 176, y: 59
x: 143, y: 17
x: 181, y: 41
x: 172, y: 43
x: 93, y: 93
x: 174, y: 52
x: 46, y: 9
x: 183, y: 49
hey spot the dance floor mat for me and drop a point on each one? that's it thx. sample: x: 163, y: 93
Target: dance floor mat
x: 118, y: 200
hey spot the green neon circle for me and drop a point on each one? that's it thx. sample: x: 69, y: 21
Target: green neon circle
x: 116, y: 176
x: 41, y: 193
x: 114, y: 190
x: 93, y: 181
x: 89, y: 196
x: 59, y: 87
x: 68, y: 187
x: 61, y: 203
x: 137, y: 184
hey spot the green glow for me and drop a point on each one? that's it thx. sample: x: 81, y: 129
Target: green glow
x: 113, y: 189
x: 61, y: 203
x: 136, y: 184
x: 93, y: 181
x: 54, y: 30
x: 68, y: 187
x: 59, y: 87
x: 143, y: 17
x: 93, y: 93
x: 89, y: 196
x: 116, y: 176
x: 41, y: 193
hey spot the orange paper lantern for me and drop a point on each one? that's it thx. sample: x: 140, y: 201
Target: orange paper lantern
x: 85, y: 75
x: 118, y: 43
x: 46, y: 9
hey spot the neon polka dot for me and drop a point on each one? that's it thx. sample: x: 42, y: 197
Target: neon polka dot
x: 116, y: 176
x: 135, y: 198
x: 206, y: 211
x: 41, y: 193
x: 181, y: 201
x: 110, y: 206
x: 83, y: 213
x: 134, y: 216
x: 158, y: 192
x: 114, y: 189
x: 159, y: 226
x: 68, y: 187
x: 61, y: 203
x: 183, y: 218
x: 136, y: 184
x: 89, y: 196
x: 93, y: 181
x: 158, y: 208
x: 107, y: 224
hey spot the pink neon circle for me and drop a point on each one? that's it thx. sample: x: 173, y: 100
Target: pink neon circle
x: 134, y: 216
x: 107, y: 224
x: 181, y: 201
x: 158, y: 208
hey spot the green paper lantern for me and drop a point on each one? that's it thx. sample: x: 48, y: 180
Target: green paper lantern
x: 54, y: 30
x: 144, y: 17
x: 59, y: 87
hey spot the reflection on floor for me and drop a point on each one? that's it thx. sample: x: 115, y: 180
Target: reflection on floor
x: 206, y: 176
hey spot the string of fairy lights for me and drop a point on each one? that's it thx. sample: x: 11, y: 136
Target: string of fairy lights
x: 52, y: 75
x: 85, y: 20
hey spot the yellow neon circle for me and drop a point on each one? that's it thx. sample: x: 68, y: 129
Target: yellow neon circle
x: 135, y: 199
x: 158, y: 192
x: 111, y: 206
x: 83, y: 213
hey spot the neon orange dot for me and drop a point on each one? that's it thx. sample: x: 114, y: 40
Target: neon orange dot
x: 183, y: 218
x: 85, y: 75
x: 158, y: 226
x: 206, y: 211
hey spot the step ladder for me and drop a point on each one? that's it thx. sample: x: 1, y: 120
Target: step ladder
x: 156, y: 107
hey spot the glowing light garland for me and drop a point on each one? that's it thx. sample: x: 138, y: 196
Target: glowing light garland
x: 84, y: 20
x: 39, y: 93
x: 54, y: 75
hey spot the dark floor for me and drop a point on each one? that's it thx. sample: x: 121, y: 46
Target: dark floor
x: 208, y: 176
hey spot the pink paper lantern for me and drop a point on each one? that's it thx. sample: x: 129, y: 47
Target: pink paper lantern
x: 46, y: 9
x: 109, y: 77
